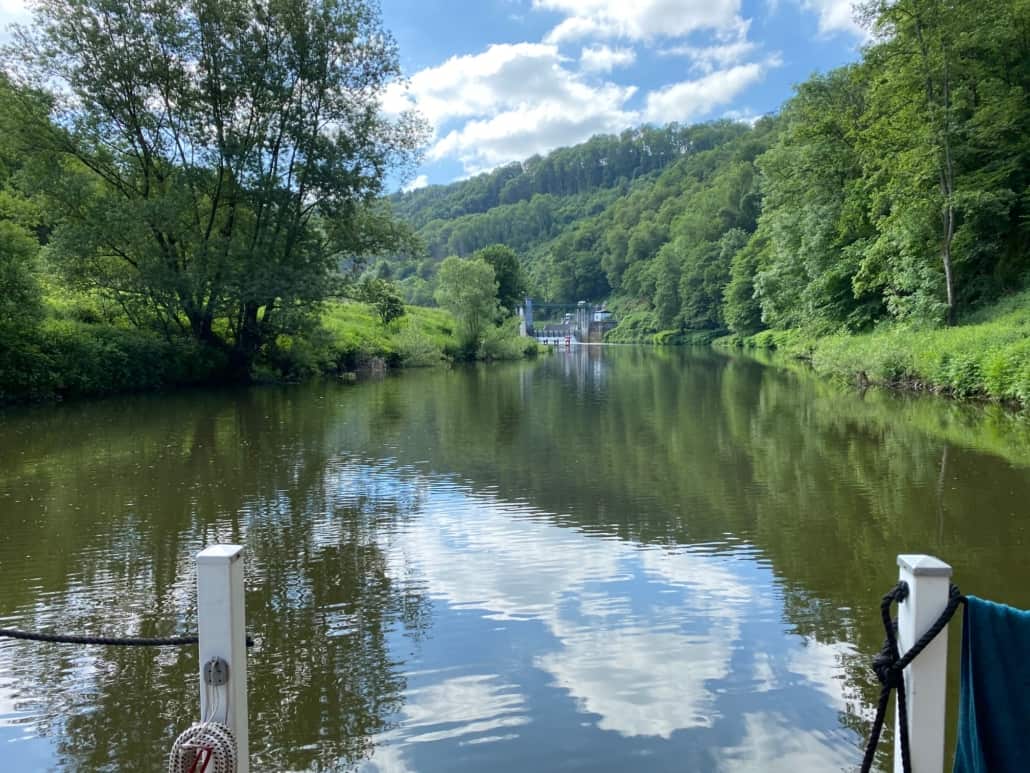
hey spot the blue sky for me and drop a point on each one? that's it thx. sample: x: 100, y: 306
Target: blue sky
x: 500, y: 80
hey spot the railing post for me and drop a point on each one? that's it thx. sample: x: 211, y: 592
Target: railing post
x: 928, y: 581
x: 222, y: 632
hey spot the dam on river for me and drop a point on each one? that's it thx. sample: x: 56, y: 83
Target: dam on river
x: 582, y: 322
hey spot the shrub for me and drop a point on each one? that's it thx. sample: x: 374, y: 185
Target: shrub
x: 416, y: 349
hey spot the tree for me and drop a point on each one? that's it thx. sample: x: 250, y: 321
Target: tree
x: 511, y: 284
x: 21, y: 307
x: 468, y: 290
x: 212, y: 161
x: 384, y: 297
x: 741, y: 310
x: 945, y: 143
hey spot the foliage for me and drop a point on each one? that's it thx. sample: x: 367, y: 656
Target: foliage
x: 502, y: 342
x: 604, y: 161
x: 634, y: 327
x: 189, y: 161
x: 988, y: 355
x: 356, y: 337
x: 511, y: 285
x: 468, y: 290
x: 76, y: 359
x: 383, y: 296
x: 889, y: 190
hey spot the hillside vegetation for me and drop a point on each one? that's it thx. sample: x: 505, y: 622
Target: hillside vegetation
x: 174, y: 209
x: 892, y: 195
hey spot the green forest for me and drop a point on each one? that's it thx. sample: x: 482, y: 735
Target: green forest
x: 192, y: 194
x: 172, y: 211
x: 885, y: 204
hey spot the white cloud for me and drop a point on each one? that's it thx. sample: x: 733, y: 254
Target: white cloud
x: 505, y: 75
x: 642, y: 682
x: 689, y: 100
x: 639, y: 664
x: 605, y: 59
x: 11, y: 10
x: 419, y: 182
x: 509, y: 102
x: 726, y: 48
x: 708, y: 58
x: 638, y: 19
x: 528, y: 129
x: 514, y: 100
x: 835, y: 16
x: 746, y: 115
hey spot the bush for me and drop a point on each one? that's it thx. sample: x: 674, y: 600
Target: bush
x: 416, y: 349
x: 635, y: 327
x: 502, y: 342
x: 74, y: 359
x: 988, y: 355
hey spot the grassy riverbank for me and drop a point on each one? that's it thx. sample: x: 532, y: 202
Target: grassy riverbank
x: 79, y: 351
x: 987, y: 355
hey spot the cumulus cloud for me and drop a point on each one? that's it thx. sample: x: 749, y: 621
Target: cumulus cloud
x: 645, y: 640
x: 509, y: 102
x: 742, y: 116
x: 638, y: 20
x: 708, y: 58
x: 529, y: 129
x: 605, y: 59
x: 689, y: 100
x: 514, y: 100
x: 504, y: 75
x: 775, y: 744
x: 419, y: 182
x: 835, y: 16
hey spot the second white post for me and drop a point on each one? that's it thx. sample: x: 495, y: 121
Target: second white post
x: 928, y: 581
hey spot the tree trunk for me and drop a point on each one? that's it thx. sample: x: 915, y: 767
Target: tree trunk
x: 241, y: 358
x: 949, y: 232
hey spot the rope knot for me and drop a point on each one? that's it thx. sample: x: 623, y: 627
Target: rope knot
x: 885, y: 664
x: 886, y: 667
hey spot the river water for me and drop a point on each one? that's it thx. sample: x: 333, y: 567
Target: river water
x: 609, y: 559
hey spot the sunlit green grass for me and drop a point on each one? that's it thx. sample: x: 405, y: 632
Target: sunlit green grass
x: 986, y: 355
x: 421, y: 335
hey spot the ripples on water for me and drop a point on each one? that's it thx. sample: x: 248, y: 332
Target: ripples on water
x: 594, y: 563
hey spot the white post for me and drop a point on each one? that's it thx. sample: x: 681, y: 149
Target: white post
x: 222, y: 633
x: 928, y: 581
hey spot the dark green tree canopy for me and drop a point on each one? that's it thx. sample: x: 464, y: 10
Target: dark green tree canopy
x: 511, y: 284
x: 213, y: 161
x: 894, y: 188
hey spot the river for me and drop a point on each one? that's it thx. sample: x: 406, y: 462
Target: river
x: 608, y: 559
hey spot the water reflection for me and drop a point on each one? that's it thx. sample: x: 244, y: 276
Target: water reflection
x: 608, y: 560
x: 638, y: 650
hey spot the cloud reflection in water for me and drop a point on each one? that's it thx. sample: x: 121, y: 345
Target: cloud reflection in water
x: 666, y: 649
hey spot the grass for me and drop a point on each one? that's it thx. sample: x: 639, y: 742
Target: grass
x: 83, y: 348
x: 423, y: 336
x: 987, y: 355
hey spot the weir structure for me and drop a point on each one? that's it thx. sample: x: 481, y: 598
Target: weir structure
x: 580, y: 322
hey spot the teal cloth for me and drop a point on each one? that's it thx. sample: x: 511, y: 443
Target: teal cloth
x: 994, y: 707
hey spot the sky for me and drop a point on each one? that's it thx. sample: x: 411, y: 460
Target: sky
x: 501, y: 80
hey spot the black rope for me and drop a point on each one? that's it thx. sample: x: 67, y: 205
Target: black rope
x: 890, y: 665
x: 128, y: 641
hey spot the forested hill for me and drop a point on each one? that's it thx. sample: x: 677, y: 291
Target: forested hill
x: 894, y: 188
x: 605, y: 161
